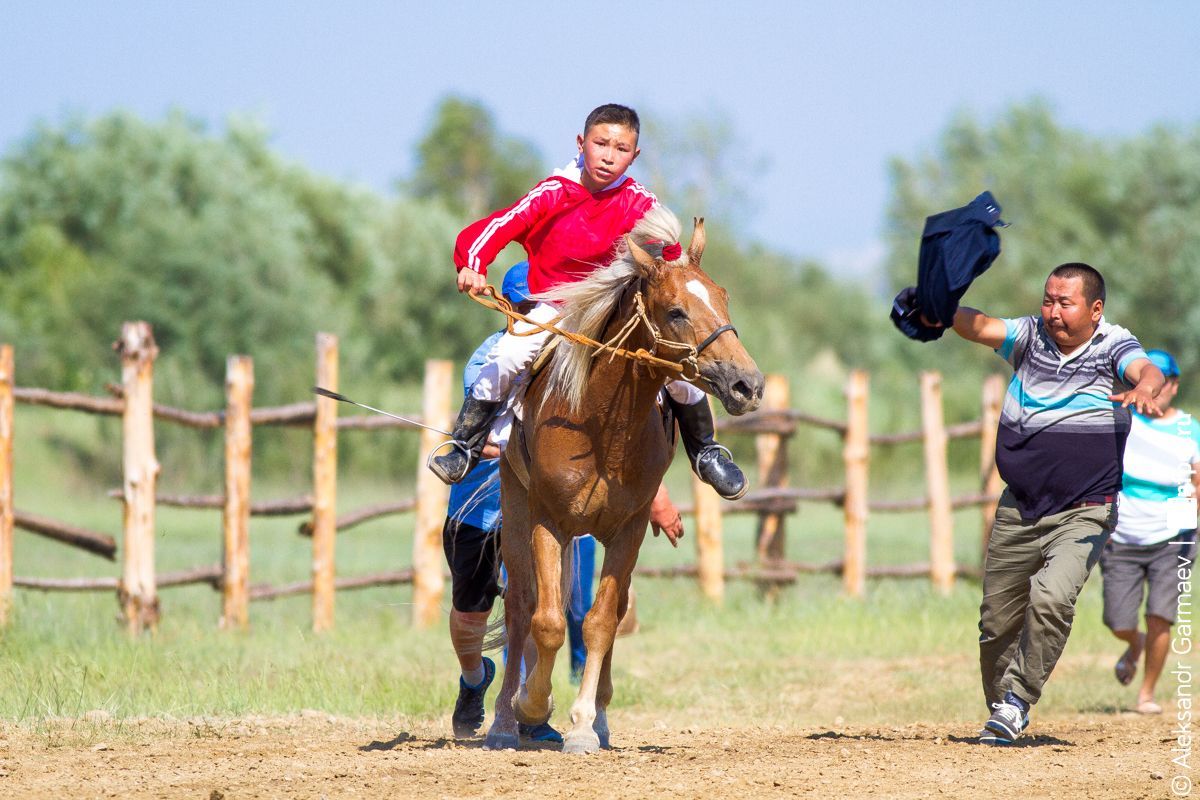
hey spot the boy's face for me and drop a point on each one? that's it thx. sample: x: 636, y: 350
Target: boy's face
x: 608, y: 150
x: 1069, y: 318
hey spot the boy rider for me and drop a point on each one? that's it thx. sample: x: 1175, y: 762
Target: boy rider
x: 569, y: 224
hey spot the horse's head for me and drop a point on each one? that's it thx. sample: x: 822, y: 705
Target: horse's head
x: 687, y: 307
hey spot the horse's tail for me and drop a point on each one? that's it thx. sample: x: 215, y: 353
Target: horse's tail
x: 495, y: 635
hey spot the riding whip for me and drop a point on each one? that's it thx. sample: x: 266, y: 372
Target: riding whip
x: 342, y: 398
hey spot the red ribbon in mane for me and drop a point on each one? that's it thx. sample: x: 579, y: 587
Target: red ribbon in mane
x: 672, y: 251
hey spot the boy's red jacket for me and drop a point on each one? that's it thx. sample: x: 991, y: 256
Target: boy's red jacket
x: 567, y: 231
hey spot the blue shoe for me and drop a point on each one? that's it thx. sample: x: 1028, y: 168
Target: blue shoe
x: 539, y: 733
x: 468, y: 709
x: 1007, y: 722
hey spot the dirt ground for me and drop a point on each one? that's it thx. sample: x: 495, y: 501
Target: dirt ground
x: 313, y: 756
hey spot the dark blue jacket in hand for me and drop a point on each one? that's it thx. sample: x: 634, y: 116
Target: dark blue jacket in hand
x: 957, y: 247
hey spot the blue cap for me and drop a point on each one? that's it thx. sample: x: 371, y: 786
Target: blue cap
x: 1164, y: 361
x: 516, y: 283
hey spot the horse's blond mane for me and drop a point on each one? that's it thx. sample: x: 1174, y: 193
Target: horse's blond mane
x: 587, y: 305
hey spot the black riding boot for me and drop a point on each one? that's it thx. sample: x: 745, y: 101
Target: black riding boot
x: 710, y: 460
x: 470, y: 434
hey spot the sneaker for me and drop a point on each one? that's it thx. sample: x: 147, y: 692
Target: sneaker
x: 539, y: 733
x: 1005, y: 725
x: 468, y: 709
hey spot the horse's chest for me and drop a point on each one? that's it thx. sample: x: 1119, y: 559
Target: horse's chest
x: 602, y: 505
x: 592, y: 477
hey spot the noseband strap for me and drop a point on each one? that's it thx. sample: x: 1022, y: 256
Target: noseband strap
x: 712, y: 337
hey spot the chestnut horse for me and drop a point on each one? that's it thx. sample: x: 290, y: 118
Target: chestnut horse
x: 590, y: 454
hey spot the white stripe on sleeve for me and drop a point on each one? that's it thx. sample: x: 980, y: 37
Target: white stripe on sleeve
x: 502, y: 220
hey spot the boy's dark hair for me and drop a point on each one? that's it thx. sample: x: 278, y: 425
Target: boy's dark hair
x: 613, y: 114
x: 1093, y: 281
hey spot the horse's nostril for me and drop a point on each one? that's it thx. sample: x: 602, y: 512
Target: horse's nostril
x: 741, y: 389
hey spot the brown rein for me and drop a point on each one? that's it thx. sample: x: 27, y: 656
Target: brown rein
x: 499, y: 303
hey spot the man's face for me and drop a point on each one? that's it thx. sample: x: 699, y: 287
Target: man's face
x: 608, y: 150
x: 1069, y: 318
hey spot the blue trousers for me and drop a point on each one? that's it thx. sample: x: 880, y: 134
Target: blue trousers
x: 581, y: 598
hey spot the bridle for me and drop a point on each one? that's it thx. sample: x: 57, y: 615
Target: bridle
x: 688, y: 366
x: 691, y: 352
x: 712, y: 337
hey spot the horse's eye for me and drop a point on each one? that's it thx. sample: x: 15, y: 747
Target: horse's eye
x: 677, y: 314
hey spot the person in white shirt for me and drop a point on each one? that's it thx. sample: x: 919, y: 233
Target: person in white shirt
x: 1155, y: 534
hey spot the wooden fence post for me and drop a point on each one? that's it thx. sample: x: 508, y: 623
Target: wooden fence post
x: 6, y: 481
x: 989, y: 476
x: 856, y: 454
x: 137, y: 591
x: 324, y: 485
x: 937, y: 476
x: 710, y: 547
x: 432, y: 498
x: 773, y: 471
x: 239, y: 391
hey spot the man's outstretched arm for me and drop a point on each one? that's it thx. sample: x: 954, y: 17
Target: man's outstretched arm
x: 1147, y: 381
x: 976, y: 326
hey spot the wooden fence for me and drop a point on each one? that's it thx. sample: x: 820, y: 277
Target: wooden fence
x: 773, y: 425
x: 775, y: 422
x: 138, y: 585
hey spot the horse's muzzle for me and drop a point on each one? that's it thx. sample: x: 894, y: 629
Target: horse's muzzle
x: 739, y: 390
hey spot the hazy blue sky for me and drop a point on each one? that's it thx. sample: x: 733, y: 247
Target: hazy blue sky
x: 826, y: 91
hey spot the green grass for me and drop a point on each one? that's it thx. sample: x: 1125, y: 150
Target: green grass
x: 808, y: 656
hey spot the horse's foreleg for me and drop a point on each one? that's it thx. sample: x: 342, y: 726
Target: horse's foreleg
x: 518, y: 605
x: 604, y: 687
x: 549, y: 628
x: 589, y: 729
x: 503, y: 735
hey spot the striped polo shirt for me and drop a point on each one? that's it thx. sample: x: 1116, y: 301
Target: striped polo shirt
x: 1061, y: 441
x: 1159, y: 458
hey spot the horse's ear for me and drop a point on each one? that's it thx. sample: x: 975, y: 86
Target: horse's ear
x: 640, y: 256
x: 696, y: 248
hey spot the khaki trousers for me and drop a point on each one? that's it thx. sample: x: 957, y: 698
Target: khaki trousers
x: 1031, y: 578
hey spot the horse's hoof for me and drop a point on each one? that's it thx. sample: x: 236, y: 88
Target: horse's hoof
x: 501, y: 741
x: 581, y: 742
x: 532, y: 720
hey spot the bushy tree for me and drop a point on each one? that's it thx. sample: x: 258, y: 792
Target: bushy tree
x: 216, y: 243
x: 466, y: 163
x: 698, y: 165
x: 1126, y: 206
x: 224, y: 248
x: 411, y: 309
